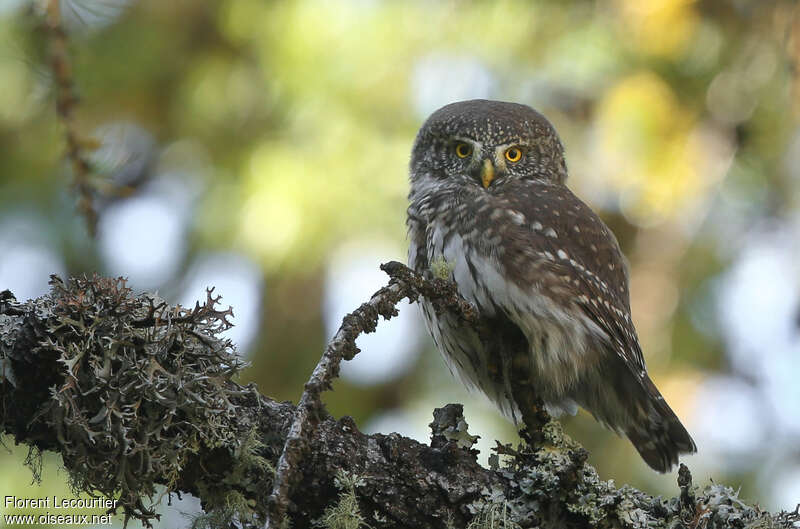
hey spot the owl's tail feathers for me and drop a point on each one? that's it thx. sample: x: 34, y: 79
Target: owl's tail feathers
x: 659, y: 435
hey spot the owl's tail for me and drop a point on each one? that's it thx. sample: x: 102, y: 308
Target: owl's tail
x: 658, y: 434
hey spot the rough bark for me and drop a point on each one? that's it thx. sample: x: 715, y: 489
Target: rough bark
x: 134, y: 393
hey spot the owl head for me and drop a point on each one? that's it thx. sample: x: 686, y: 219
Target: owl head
x: 487, y: 143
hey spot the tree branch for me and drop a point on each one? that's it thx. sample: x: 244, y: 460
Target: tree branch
x: 66, y: 102
x: 135, y: 394
x: 403, y: 284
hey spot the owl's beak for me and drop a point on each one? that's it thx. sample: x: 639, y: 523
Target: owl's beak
x: 487, y: 173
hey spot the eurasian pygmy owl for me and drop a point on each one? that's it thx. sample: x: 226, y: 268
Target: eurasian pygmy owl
x: 490, y: 209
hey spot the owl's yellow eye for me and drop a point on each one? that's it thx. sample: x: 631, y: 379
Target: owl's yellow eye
x: 513, y: 154
x: 463, y: 150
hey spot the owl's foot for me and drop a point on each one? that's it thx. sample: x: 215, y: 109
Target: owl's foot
x: 534, y: 414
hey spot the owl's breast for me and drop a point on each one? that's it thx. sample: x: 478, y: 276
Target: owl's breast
x: 456, y: 236
x: 461, y: 250
x: 482, y: 247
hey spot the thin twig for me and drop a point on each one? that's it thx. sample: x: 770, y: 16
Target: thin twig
x: 404, y: 283
x: 66, y: 102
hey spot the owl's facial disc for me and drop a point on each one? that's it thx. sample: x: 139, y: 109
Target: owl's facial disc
x: 487, y: 173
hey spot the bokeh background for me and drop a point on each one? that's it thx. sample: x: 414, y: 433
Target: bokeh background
x: 261, y: 147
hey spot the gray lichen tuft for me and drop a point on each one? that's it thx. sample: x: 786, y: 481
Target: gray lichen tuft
x: 137, y: 388
x: 449, y: 425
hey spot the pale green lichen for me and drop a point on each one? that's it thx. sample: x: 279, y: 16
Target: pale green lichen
x: 442, y: 268
x: 494, y: 516
x: 449, y: 521
x: 232, y: 513
x: 345, y: 513
x: 226, y: 505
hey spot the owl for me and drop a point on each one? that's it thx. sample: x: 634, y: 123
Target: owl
x: 489, y: 208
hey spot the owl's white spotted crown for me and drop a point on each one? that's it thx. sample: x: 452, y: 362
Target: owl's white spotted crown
x: 492, y: 123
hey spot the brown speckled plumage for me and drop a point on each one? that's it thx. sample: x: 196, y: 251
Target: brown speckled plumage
x: 545, y: 273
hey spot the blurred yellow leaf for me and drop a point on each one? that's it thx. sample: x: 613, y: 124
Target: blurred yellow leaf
x: 660, y: 27
x: 643, y: 135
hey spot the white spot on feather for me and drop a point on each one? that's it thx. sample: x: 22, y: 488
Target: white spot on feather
x: 517, y: 217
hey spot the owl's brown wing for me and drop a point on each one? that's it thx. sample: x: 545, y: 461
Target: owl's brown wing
x: 649, y: 422
x: 580, y: 261
x: 615, y: 322
x: 575, y: 260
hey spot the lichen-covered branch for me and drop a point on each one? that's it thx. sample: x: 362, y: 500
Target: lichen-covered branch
x: 126, y: 388
x: 134, y: 393
x: 403, y: 284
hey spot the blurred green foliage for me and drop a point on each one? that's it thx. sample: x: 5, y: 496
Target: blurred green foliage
x: 679, y: 119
